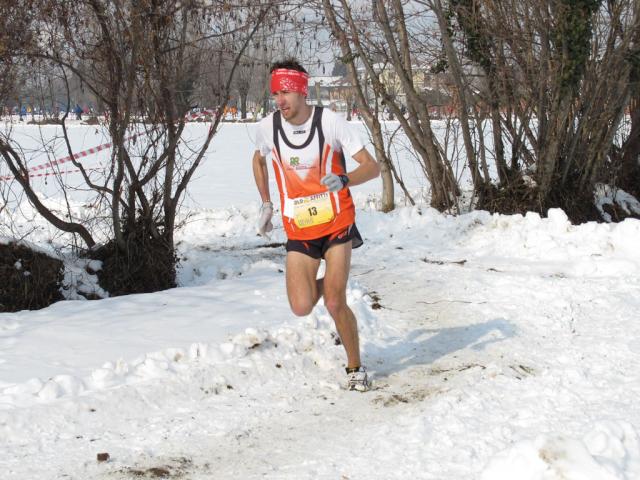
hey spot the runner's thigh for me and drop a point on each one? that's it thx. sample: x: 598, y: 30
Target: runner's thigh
x: 338, y: 260
x: 301, y: 278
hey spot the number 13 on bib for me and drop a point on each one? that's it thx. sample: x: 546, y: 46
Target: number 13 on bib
x: 312, y: 210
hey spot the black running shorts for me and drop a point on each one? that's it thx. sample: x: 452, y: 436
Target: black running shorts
x: 317, y: 248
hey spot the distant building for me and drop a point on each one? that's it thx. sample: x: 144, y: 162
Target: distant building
x: 436, y: 89
x: 332, y: 92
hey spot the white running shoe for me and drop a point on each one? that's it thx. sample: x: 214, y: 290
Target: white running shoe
x: 358, y: 380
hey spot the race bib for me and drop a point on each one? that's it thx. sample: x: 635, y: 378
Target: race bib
x: 312, y: 210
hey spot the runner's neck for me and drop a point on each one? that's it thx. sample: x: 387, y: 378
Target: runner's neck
x: 302, y: 118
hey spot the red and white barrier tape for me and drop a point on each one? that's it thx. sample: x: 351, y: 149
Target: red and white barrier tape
x: 48, y: 174
x: 91, y: 151
x: 75, y: 156
x: 84, y: 153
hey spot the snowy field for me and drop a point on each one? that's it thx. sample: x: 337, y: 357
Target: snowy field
x: 501, y: 347
x: 224, y: 178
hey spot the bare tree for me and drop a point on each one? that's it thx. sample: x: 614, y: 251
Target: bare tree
x: 549, y: 68
x: 371, y: 119
x: 539, y: 72
x: 15, y: 37
x: 379, y: 38
x: 143, y: 61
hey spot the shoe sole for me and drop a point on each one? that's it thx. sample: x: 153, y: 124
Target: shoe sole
x: 359, y: 388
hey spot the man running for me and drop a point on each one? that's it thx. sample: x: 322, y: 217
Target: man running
x: 307, y: 146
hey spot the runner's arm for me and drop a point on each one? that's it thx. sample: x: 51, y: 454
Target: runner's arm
x: 261, y: 175
x: 367, y: 169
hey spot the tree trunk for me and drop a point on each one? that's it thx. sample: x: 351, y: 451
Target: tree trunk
x: 464, y: 107
x: 243, y: 106
x: 630, y: 161
x: 370, y: 118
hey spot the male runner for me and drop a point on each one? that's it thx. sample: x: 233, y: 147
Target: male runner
x: 307, y: 144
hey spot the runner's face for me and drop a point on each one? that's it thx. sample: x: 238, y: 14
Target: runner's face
x: 290, y: 104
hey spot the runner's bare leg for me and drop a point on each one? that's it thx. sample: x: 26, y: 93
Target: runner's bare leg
x: 338, y: 264
x: 303, y: 290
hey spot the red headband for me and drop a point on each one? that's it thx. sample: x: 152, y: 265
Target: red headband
x: 289, y: 80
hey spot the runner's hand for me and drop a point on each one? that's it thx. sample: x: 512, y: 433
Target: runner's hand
x: 334, y: 182
x: 264, y: 219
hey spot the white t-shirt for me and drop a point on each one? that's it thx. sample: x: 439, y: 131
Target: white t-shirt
x: 338, y: 134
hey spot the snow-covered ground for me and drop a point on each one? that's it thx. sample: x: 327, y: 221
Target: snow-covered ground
x: 501, y: 347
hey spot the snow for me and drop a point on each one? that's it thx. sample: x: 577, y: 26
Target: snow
x: 602, y: 454
x: 500, y: 347
x: 605, y: 195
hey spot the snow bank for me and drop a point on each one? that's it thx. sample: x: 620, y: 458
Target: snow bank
x: 513, y: 241
x: 610, y: 451
x: 283, y: 339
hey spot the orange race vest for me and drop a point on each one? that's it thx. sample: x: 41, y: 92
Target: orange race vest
x: 309, y: 211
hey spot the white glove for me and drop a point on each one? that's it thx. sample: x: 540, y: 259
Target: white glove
x: 335, y: 182
x: 264, y: 219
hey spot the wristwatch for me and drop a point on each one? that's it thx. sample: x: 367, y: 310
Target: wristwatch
x: 344, y: 179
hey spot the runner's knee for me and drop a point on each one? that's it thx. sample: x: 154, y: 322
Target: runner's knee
x: 334, y: 303
x: 301, y: 308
